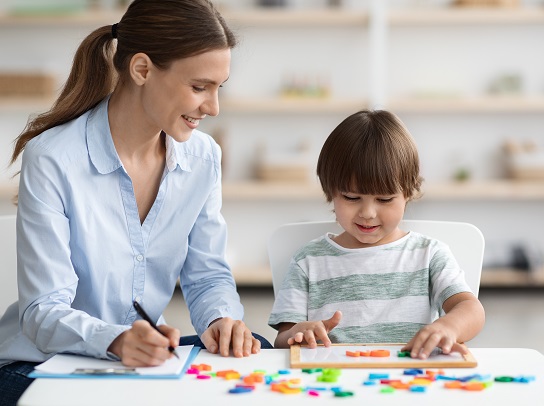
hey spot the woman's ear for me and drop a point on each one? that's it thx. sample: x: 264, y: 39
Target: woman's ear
x: 139, y: 68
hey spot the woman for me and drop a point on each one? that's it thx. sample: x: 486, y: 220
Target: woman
x: 120, y: 196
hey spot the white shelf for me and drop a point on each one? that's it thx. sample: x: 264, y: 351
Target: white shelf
x: 484, y: 104
x: 297, y: 18
x: 499, y: 190
x: 252, y: 276
x: 68, y: 19
x: 306, y: 18
x: 271, y: 191
x: 511, y: 278
x: 292, y: 105
x: 481, y: 104
x: 8, y: 190
x: 495, y: 278
x: 25, y: 104
x: 466, y: 15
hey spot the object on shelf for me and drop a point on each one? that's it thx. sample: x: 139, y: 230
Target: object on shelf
x: 26, y: 84
x: 50, y: 7
x: 334, y: 3
x: 291, y: 166
x: 462, y: 174
x: 271, y: 3
x: 305, y: 86
x: 508, y: 84
x: 524, y: 160
x: 522, y: 256
x: 487, y: 3
x: 123, y: 4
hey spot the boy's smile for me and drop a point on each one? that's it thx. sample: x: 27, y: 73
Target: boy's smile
x: 368, y: 220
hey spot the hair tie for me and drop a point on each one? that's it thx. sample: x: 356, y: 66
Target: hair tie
x: 114, y: 30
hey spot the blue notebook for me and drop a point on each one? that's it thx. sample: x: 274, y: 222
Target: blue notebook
x: 81, y: 367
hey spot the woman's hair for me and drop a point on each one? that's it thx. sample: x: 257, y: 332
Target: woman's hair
x: 165, y: 30
x: 370, y: 152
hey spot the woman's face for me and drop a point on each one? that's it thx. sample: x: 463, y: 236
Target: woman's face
x: 176, y: 99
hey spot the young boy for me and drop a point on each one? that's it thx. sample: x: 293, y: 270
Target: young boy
x: 374, y: 283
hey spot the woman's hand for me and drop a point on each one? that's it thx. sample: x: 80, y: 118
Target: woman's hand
x: 142, y: 345
x: 226, y: 333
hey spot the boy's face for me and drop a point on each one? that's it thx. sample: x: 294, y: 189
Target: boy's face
x: 368, y: 220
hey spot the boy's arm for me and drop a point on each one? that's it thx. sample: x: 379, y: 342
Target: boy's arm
x: 464, y: 319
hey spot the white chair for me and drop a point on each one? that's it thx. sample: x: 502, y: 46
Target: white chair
x: 465, y: 240
x: 8, y: 267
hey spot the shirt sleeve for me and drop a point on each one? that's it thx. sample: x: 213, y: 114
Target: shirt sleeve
x: 447, y: 277
x: 291, y: 303
x: 46, y: 278
x: 206, y: 279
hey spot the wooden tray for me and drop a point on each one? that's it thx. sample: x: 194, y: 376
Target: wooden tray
x: 335, y: 357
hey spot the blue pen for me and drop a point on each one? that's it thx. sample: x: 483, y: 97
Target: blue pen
x: 143, y: 315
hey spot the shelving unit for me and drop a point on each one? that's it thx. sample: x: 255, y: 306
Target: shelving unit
x: 69, y: 19
x: 440, y: 16
x: 359, y: 41
x: 292, y: 105
x: 278, y: 18
x: 504, y: 190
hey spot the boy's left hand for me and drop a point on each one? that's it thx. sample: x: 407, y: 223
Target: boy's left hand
x: 437, y: 334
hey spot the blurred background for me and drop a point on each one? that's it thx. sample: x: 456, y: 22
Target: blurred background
x: 465, y: 76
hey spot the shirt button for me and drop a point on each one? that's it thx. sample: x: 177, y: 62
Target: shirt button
x: 140, y: 257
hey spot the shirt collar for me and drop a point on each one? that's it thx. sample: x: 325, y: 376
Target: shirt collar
x: 102, y: 150
x: 99, y: 142
x: 175, y: 155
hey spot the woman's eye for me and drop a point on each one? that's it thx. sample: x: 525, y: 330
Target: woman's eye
x: 198, y: 89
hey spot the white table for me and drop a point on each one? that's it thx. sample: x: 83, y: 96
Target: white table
x: 191, y: 391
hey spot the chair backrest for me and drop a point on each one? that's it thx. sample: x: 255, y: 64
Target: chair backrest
x: 465, y: 240
x: 8, y: 264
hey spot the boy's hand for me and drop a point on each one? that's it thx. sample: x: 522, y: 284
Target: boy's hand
x: 311, y: 331
x: 437, y: 334
x: 464, y: 319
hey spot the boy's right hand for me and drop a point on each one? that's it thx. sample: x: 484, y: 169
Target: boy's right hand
x: 312, y: 331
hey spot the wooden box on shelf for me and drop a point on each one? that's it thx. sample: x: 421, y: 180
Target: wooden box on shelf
x: 14, y: 84
x: 525, y: 161
x: 488, y: 3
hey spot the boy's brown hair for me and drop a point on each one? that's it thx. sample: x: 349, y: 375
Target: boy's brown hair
x: 370, y: 152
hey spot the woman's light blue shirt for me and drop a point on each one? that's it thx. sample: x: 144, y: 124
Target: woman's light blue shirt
x: 83, y: 256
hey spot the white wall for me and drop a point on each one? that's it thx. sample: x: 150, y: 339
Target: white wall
x: 456, y: 58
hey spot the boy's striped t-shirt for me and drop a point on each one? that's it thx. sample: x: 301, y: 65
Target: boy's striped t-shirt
x: 386, y: 293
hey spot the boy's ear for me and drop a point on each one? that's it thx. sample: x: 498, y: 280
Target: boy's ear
x: 139, y: 68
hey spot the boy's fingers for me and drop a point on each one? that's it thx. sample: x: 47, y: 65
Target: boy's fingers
x: 333, y: 321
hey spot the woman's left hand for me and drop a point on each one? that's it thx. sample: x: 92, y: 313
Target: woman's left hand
x: 226, y: 333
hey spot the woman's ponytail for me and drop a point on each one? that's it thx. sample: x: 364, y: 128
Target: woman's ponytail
x: 91, y: 79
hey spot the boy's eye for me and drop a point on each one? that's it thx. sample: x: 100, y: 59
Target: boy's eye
x: 350, y: 198
x: 385, y: 199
